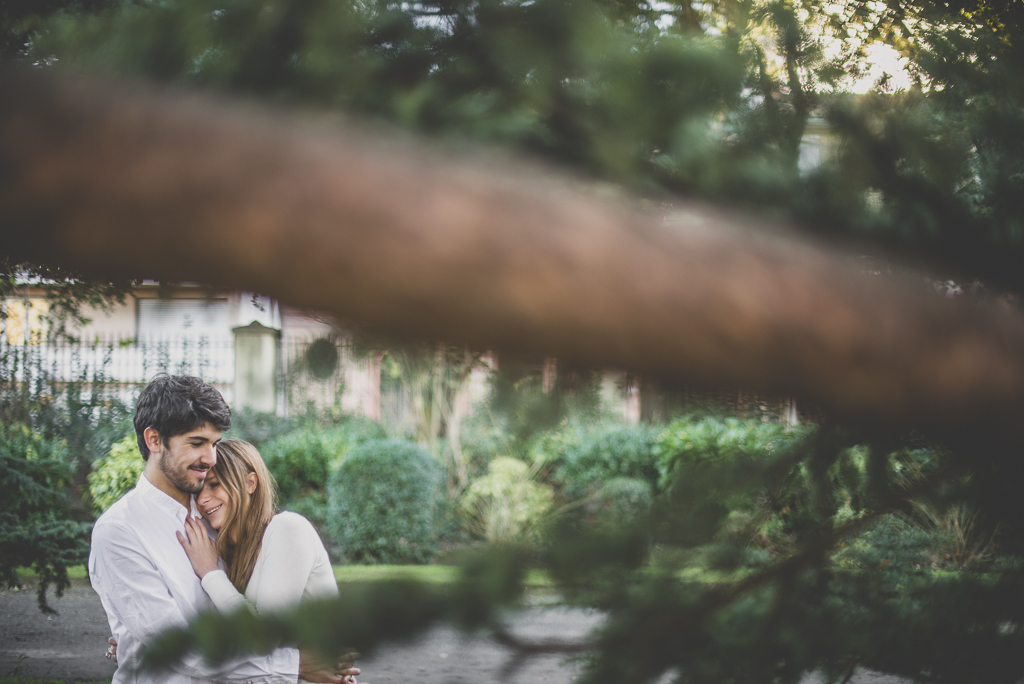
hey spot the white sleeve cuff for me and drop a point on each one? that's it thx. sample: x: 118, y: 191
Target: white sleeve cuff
x: 286, y: 661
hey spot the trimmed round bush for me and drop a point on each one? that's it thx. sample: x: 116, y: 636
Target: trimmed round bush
x: 116, y: 473
x: 384, y: 501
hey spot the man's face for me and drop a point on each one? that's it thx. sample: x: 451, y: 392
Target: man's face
x: 187, y: 458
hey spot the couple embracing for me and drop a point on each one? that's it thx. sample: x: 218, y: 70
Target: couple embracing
x: 156, y: 565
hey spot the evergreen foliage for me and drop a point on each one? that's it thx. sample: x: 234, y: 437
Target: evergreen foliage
x: 821, y: 550
x: 35, y: 530
x: 383, y: 503
x: 50, y: 432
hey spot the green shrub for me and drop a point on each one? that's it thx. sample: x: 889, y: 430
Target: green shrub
x: 114, y: 474
x: 383, y: 503
x: 506, y: 504
x: 481, y: 440
x: 622, y: 502
x: 895, y: 544
x: 591, y: 457
x: 302, y: 460
x: 710, y: 469
x: 717, y: 439
x: 312, y: 507
x: 259, y: 427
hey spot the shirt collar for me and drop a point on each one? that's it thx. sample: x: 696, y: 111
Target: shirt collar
x: 162, y: 500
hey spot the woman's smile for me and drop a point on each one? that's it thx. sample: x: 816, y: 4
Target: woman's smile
x: 214, y: 502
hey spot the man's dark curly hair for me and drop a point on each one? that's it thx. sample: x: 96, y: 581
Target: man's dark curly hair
x: 175, y: 404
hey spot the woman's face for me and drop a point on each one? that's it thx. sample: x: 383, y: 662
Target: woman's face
x: 214, y: 502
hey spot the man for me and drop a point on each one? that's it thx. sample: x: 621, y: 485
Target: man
x: 138, y: 567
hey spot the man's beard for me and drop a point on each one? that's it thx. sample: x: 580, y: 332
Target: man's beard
x: 180, y: 479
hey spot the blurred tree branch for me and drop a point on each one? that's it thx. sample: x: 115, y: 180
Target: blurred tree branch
x: 116, y: 180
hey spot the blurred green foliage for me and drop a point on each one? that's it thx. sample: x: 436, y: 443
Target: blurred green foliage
x: 507, y: 504
x: 581, y: 458
x: 714, y: 467
x: 623, y: 501
x: 114, y: 474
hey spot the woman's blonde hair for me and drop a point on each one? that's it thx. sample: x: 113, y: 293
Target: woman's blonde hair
x: 241, y: 536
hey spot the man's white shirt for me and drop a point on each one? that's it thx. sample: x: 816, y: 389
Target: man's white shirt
x: 147, y: 585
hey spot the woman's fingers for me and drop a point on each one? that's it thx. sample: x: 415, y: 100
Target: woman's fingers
x: 195, y: 531
x: 188, y: 531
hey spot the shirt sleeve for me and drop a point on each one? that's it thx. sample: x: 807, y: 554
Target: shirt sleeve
x: 133, y: 589
x: 287, y: 557
x: 223, y: 593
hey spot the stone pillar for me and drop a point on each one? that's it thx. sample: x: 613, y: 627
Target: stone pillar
x: 256, y: 367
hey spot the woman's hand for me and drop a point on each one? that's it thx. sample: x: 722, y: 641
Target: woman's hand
x: 199, y: 548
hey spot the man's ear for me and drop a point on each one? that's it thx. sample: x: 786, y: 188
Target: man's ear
x: 153, y: 441
x: 250, y: 483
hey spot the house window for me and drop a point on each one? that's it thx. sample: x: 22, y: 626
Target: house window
x: 184, y: 317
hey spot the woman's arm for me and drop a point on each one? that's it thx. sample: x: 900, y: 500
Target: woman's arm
x: 288, y: 555
x: 202, y: 553
x: 290, y: 549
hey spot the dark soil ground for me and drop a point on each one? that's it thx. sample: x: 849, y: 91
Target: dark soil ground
x: 69, y: 646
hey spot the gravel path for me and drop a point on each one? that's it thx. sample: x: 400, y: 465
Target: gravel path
x: 66, y: 646
x: 70, y: 645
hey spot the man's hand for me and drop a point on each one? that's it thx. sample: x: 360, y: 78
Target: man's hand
x: 311, y: 670
x: 111, y: 653
x: 199, y: 548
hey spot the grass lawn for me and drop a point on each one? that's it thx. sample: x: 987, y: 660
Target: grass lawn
x: 431, y: 574
x: 74, y: 572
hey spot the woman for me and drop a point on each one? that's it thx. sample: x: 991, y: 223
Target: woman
x: 272, y: 561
